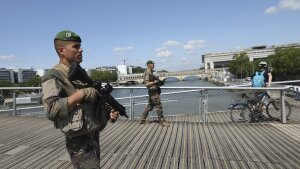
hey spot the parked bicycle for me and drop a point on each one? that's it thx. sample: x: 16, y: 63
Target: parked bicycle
x: 252, y: 110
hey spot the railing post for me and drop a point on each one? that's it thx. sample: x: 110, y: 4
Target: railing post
x: 14, y: 103
x: 131, y: 105
x: 203, y: 104
x: 283, y: 113
x: 200, y: 105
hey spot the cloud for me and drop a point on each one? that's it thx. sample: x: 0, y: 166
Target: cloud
x: 122, y: 49
x: 282, y: 5
x: 7, y: 58
x: 162, y: 61
x: 163, y: 52
x: 194, y: 44
x: 272, y: 9
x: 185, y: 60
x: 172, y: 43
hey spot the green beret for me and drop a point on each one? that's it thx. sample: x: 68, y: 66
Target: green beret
x: 150, y: 62
x: 67, y: 35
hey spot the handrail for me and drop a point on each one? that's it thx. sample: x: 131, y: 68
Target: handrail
x: 202, y: 100
x: 215, y: 88
x: 20, y: 88
x: 168, y: 93
x: 235, y: 87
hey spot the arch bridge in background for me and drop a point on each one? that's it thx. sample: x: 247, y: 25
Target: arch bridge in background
x: 180, y: 75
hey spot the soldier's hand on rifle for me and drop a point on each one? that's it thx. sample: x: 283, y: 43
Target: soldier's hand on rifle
x: 156, y: 82
x: 113, y: 115
x: 89, y: 94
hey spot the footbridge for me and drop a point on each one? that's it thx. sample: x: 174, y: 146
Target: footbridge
x: 180, y: 75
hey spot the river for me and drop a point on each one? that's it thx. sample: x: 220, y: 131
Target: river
x: 182, y: 103
x: 173, y: 104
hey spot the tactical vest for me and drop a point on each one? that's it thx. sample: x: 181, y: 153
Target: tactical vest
x: 152, y: 90
x: 85, y: 117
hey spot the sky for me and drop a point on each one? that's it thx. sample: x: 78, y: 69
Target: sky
x: 173, y: 33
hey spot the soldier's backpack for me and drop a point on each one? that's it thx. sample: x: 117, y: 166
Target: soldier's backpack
x: 259, y: 79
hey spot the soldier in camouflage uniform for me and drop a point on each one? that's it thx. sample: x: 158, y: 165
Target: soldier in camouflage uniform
x: 74, y: 107
x: 154, y: 95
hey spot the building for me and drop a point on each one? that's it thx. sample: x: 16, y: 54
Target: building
x: 23, y: 75
x: 7, y: 75
x: 122, y: 69
x: 41, y: 72
x: 222, y: 59
x: 107, y: 68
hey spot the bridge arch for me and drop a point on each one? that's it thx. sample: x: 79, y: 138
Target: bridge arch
x: 181, y: 75
x: 192, y: 77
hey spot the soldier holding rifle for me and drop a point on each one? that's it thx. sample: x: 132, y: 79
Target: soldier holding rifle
x: 152, y: 82
x: 74, y: 107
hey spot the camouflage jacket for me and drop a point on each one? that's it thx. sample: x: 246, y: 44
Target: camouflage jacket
x: 149, y: 77
x: 83, y: 119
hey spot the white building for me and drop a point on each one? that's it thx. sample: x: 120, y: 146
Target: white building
x: 122, y: 69
x: 107, y: 68
x: 222, y: 59
x: 41, y: 72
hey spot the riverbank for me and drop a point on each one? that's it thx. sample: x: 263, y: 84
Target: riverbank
x: 219, y: 83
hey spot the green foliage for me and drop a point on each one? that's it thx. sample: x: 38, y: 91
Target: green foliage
x: 285, y: 63
x: 138, y: 69
x: 162, y: 71
x: 5, y: 84
x: 241, y: 67
x: 33, y: 82
x: 5, y: 93
x: 104, y: 76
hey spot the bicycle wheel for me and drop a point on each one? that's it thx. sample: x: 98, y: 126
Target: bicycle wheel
x: 273, y: 109
x: 240, y: 113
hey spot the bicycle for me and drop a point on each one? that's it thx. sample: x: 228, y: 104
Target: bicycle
x: 252, y: 110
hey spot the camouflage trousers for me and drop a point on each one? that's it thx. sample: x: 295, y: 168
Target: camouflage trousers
x: 153, y: 101
x: 84, y: 151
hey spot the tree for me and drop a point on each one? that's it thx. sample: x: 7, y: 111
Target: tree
x: 240, y: 65
x: 5, y: 83
x: 138, y: 69
x: 285, y: 63
x: 104, y: 76
x: 162, y: 71
x: 5, y: 93
x: 33, y: 82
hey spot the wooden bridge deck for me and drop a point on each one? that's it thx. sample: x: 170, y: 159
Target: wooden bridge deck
x: 31, y: 142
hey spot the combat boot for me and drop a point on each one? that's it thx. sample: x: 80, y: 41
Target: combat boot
x: 142, y: 121
x: 164, y: 122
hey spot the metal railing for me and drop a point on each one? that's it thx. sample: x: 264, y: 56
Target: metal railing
x: 209, y: 99
x: 176, y: 100
x: 17, y: 100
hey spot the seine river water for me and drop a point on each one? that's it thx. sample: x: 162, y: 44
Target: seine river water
x: 179, y: 103
x: 174, y: 101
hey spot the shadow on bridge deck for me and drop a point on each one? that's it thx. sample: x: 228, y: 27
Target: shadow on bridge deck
x: 31, y: 142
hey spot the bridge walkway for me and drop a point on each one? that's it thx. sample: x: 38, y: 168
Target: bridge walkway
x: 32, y: 142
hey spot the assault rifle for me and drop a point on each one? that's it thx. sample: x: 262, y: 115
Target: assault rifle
x: 160, y: 82
x: 77, y: 73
